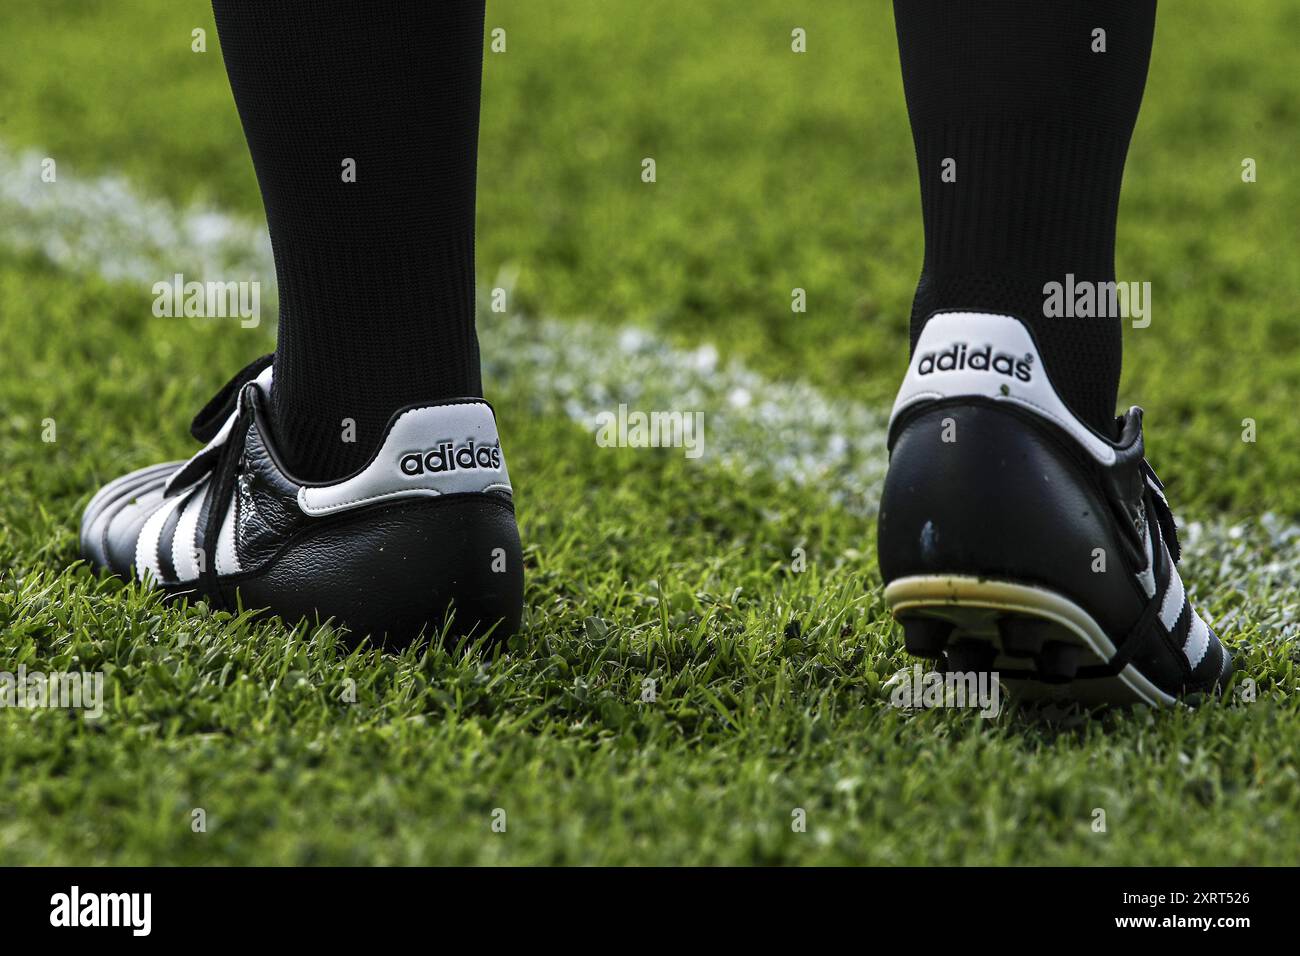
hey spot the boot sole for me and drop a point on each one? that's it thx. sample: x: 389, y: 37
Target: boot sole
x: 1041, y: 645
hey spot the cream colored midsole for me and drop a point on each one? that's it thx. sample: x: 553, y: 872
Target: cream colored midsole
x: 927, y: 591
x: 934, y: 593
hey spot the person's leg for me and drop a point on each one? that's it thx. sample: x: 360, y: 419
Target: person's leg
x: 313, y: 497
x: 1021, y: 530
x: 376, y: 270
x: 1021, y: 126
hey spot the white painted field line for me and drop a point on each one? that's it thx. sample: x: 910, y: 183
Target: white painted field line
x: 833, y: 449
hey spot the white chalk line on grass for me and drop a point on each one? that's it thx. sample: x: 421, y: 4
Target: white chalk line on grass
x: 833, y: 449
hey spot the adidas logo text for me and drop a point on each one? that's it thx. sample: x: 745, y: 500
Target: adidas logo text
x: 450, y: 457
x: 959, y: 356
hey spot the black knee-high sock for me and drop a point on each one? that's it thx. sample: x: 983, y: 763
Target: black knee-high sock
x: 376, y: 276
x: 1038, y: 125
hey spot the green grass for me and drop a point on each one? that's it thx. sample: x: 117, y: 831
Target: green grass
x: 775, y: 171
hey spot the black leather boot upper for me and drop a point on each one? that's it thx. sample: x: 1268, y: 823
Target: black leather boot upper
x: 991, y: 476
x: 424, y: 529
